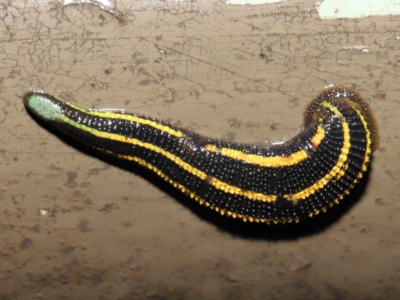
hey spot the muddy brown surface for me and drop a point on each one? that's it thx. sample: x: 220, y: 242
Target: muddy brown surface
x: 77, y: 226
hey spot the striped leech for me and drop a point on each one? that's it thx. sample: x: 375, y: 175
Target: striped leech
x: 272, y: 184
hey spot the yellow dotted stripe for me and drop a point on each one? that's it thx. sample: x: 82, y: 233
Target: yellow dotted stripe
x: 237, y: 191
x: 271, y: 161
x: 127, y: 117
x: 227, y: 188
x: 259, y: 160
x: 338, y: 169
x: 193, y: 195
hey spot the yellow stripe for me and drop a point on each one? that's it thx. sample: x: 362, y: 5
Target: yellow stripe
x: 318, y: 137
x: 227, y: 188
x: 337, y: 171
x: 367, y: 154
x: 263, y: 161
x: 237, y: 191
x: 129, y: 118
x: 272, y: 161
x: 192, y: 195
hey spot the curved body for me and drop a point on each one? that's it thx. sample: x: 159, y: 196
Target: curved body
x: 273, y: 184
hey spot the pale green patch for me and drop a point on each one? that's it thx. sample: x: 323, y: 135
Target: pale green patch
x: 44, y: 107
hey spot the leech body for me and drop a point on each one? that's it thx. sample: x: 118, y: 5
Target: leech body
x: 272, y: 184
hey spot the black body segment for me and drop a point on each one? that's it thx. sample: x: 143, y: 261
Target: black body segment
x: 272, y: 184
